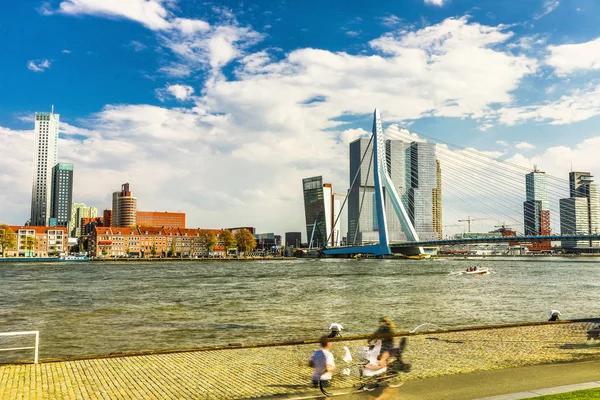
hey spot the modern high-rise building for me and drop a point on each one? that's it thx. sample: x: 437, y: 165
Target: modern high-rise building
x: 321, y: 210
x: 44, y: 159
x: 79, y: 211
x: 422, y: 173
x: 124, y: 208
x: 536, y: 211
x: 416, y: 175
x: 162, y: 219
x: 580, y: 214
x: 62, y: 194
x: 437, y: 201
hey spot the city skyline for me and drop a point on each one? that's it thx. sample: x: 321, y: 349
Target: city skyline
x: 172, y: 93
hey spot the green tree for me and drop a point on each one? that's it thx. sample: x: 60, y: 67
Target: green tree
x: 245, y: 240
x: 30, y: 243
x: 208, y: 240
x: 8, y: 239
x: 128, y: 251
x: 227, y: 239
x: 55, y: 251
x: 104, y: 251
x: 153, y: 249
x: 171, y: 251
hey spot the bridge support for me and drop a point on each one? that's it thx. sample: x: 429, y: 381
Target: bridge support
x: 382, y: 180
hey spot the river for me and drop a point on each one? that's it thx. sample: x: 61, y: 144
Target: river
x: 103, y: 307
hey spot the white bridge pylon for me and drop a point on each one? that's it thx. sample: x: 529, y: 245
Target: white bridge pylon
x: 382, y: 180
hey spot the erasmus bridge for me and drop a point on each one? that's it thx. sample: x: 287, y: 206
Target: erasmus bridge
x: 483, y: 183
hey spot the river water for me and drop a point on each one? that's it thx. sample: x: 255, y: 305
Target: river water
x: 95, y: 308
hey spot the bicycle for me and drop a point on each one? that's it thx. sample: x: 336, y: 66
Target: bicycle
x: 384, y: 377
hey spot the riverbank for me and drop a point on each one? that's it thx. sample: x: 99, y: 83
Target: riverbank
x: 281, y: 371
x: 212, y: 259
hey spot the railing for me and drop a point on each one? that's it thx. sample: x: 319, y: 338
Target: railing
x: 37, y: 342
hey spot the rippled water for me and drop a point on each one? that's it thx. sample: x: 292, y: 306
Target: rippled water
x: 92, y: 308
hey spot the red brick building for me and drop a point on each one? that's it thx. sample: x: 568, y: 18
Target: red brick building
x: 164, y: 219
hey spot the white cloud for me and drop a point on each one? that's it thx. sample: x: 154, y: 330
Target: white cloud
x: 524, y: 146
x: 577, y: 106
x: 568, y: 58
x: 391, y: 20
x: 151, y: 13
x: 549, y: 6
x: 66, y: 51
x: 502, y: 143
x: 38, y: 65
x: 176, y: 70
x: 180, y: 92
x: 438, y: 3
x: 137, y: 46
x: 190, y: 26
x: 353, y: 33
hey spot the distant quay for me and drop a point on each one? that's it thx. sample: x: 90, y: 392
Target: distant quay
x: 209, y: 259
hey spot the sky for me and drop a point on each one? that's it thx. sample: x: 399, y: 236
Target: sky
x: 219, y: 109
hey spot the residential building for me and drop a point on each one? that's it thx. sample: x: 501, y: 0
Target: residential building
x: 124, y: 208
x: 107, y: 218
x: 150, y: 242
x: 574, y: 221
x: 536, y: 211
x: 39, y: 241
x: 422, y: 173
x: 44, y: 159
x: 79, y: 212
x: 164, y: 219
x: 293, y: 239
x: 62, y: 195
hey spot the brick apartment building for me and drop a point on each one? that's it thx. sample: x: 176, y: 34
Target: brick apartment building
x: 48, y: 240
x: 140, y: 242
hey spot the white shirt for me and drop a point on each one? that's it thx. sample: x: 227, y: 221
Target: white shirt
x: 322, y: 358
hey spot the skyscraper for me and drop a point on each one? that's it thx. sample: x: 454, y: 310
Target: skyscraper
x: 44, y: 159
x: 422, y: 179
x: 321, y: 211
x: 416, y: 175
x: 580, y: 214
x: 536, y: 212
x: 437, y: 201
x: 62, y: 194
x: 124, y: 208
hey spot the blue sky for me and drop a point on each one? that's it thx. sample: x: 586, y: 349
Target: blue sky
x: 220, y: 108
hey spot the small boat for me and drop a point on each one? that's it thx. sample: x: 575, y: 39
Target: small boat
x: 74, y: 258
x: 477, y: 271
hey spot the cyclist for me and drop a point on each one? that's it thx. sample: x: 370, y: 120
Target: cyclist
x: 384, y: 332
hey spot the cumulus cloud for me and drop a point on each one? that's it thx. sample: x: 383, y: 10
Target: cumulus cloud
x: 151, y: 13
x: 180, y: 92
x: 577, y: 106
x: 502, y: 143
x: 524, y: 146
x: 568, y: 58
x: 38, y: 65
x: 438, y: 3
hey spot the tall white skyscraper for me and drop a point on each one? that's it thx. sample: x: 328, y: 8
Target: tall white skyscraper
x: 44, y: 159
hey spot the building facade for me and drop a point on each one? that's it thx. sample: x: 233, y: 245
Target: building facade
x: 321, y: 211
x: 293, y: 239
x: 580, y: 214
x: 79, y: 212
x: 124, y: 208
x: 164, y: 219
x: 62, y: 195
x: 437, y: 201
x: 536, y: 209
x: 39, y: 241
x: 44, y: 159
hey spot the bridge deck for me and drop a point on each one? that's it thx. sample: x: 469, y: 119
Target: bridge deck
x: 266, y: 371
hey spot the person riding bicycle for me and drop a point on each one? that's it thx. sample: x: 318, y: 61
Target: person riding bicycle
x: 323, y: 363
x: 384, y: 332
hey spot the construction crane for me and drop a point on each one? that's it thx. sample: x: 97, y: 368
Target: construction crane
x: 468, y: 221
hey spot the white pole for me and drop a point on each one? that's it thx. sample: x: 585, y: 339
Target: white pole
x: 37, y: 346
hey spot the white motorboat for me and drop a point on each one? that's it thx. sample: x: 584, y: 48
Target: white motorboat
x: 477, y: 271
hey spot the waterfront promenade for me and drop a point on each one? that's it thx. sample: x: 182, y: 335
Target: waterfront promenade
x: 281, y: 371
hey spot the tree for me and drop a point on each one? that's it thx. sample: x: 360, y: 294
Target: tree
x: 8, y: 239
x: 245, y: 240
x: 227, y: 239
x: 153, y: 249
x: 208, y: 240
x: 128, y: 251
x: 171, y: 251
x: 55, y: 251
x: 30, y: 243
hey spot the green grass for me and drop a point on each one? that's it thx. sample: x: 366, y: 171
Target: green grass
x: 588, y: 394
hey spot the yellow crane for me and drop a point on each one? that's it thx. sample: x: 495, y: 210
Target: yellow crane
x: 468, y: 221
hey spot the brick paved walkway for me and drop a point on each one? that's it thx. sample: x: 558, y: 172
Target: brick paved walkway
x: 268, y: 371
